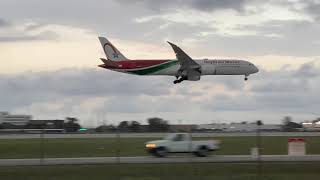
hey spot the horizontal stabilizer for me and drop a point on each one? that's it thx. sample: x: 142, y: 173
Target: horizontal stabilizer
x: 109, y: 63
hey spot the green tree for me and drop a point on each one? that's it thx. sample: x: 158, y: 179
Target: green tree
x: 259, y: 123
x: 123, y: 126
x: 158, y: 124
x: 71, y: 125
x: 135, y: 126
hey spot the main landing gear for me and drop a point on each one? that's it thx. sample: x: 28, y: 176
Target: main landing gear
x: 179, y: 80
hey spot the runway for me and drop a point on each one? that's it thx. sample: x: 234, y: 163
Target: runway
x: 154, y: 160
x: 155, y: 135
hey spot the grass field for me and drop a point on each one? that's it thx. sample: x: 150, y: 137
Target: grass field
x: 34, y: 148
x: 270, y: 171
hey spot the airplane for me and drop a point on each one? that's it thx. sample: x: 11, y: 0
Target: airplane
x: 183, y: 67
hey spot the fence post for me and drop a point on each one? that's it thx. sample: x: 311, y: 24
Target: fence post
x: 118, y: 145
x: 42, y: 149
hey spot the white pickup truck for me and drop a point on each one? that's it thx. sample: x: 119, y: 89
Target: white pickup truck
x: 181, y: 143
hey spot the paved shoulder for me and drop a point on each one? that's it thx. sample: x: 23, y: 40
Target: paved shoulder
x: 153, y: 160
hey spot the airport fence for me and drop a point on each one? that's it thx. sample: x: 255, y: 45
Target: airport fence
x: 120, y: 148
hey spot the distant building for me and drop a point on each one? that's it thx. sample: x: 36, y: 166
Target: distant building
x: 45, y: 124
x: 238, y: 127
x: 13, y: 119
x: 182, y: 127
x: 311, y: 125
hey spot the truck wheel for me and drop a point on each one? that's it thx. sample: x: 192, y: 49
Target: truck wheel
x: 161, y: 152
x: 203, y: 151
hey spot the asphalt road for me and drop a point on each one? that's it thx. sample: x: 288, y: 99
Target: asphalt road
x: 154, y: 135
x: 154, y: 160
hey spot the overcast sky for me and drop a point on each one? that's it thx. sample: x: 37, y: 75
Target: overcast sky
x: 49, y: 53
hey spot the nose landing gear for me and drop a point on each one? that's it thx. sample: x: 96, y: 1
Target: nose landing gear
x: 246, y: 77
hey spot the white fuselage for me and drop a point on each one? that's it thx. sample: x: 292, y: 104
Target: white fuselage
x: 216, y: 67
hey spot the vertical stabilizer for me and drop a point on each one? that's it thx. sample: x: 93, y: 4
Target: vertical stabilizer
x: 111, y: 51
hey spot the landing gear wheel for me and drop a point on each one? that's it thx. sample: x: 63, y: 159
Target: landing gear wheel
x: 179, y: 80
x: 246, y: 77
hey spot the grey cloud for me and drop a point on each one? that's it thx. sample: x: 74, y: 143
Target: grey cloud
x: 305, y: 7
x: 284, y: 81
x: 286, y: 102
x: 112, y: 18
x: 307, y: 71
x: 276, y: 91
x: 141, y: 104
x: 281, y: 86
x: 202, y: 5
x: 286, y: 37
x: 312, y: 7
x: 103, y: 16
x: 3, y: 23
x: 34, y: 26
x: 29, y: 88
x: 209, y: 5
x: 46, y: 35
x: 26, y: 32
x: 116, y: 19
x: 170, y: 29
x: 279, y: 91
x: 296, y: 38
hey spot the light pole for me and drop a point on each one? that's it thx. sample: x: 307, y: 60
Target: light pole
x: 258, y: 144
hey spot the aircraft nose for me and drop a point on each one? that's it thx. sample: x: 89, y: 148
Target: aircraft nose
x: 255, y: 69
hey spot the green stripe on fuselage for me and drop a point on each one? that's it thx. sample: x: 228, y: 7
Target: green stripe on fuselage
x: 154, y: 68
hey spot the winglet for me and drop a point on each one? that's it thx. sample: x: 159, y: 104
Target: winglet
x: 171, y: 44
x: 183, y: 58
x: 175, y: 48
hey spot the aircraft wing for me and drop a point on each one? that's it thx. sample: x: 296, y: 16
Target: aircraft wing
x: 189, y: 67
